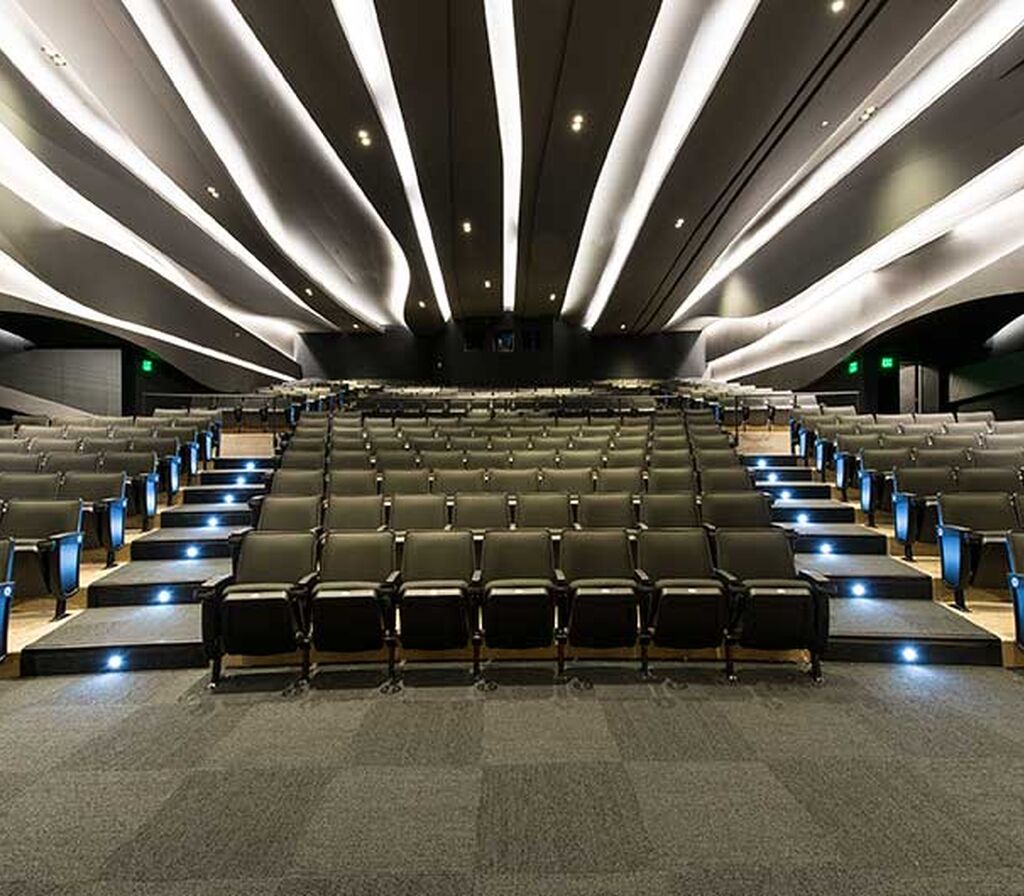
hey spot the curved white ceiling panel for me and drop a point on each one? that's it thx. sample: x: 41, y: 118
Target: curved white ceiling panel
x: 300, y: 191
x: 66, y: 91
x: 970, y: 229
x: 689, y: 46
x: 17, y: 281
x: 967, y: 35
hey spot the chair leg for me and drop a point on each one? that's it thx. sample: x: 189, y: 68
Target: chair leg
x: 560, y: 648
x: 908, y: 550
x: 645, y: 665
x: 61, y: 608
x: 730, y: 668
x: 477, y: 641
x: 816, y: 675
x: 960, y: 601
x: 306, y: 662
x: 111, y: 557
x: 215, y: 671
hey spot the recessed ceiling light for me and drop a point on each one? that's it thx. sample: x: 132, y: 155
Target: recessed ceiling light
x: 213, y: 191
x: 421, y: 303
x: 56, y: 58
x: 364, y: 137
x: 868, y: 112
x: 467, y: 226
x: 552, y: 297
x: 487, y: 284
x: 622, y: 326
x: 837, y: 6
x: 308, y: 291
x: 679, y: 222
x: 355, y: 326
x: 576, y: 122
x: 825, y: 123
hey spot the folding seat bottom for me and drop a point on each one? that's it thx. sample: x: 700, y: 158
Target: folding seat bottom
x: 258, y: 620
x: 346, y: 617
x: 689, y: 613
x: 603, y: 614
x: 518, y: 613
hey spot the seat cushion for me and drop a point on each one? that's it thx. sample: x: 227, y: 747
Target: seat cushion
x: 687, y: 584
x: 591, y: 584
x: 435, y: 585
x: 506, y: 584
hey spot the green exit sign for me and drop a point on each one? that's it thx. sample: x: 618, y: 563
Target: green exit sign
x: 147, y: 365
x: 888, y: 363
x: 853, y: 367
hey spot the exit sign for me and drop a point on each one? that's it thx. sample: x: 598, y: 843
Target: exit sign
x: 147, y: 365
x: 888, y: 363
x: 853, y: 367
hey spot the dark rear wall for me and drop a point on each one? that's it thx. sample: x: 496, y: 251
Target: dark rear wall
x: 499, y: 352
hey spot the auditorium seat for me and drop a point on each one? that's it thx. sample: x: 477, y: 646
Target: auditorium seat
x: 459, y: 481
x: 433, y: 599
x: 668, y: 511
x: 606, y: 510
x: 256, y: 610
x: 29, y: 485
x: 481, y: 512
x: 405, y: 482
x: 989, y: 479
x: 1004, y: 458
x: 629, y: 458
x: 733, y: 479
x: 620, y: 480
x: 670, y: 480
x: 573, y: 482
x: 290, y: 513
x: 354, y: 512
x: 351, y: 607
x: 778, y: 609
x: 301, y: 460
x: 349, y: 460
x: 677, y: 459
x: 418, y: 512
x: 875, y: 477
x: 513, y: 482
x: 168, y: 462
x: 549, y: 510
x: 972, y: 529
x: 104, y: 508
x: 518, y: 592
x: 352, y: 482
x: 48, y: 547
x: 6, y: 592
x: 65, y: 461
x: 732, y: 510
x: 689, y: 607
x: 603, y: 590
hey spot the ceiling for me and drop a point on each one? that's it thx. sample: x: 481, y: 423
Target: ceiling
x: 210, y: 179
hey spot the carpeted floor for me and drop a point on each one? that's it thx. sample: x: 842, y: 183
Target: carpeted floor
x: 887, y: 780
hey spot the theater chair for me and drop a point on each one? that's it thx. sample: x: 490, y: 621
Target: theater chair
x: 1015, y: 560
x: 291, y: 513
x: 688, y: 606
x: 352, y: 482
x: 40, y: 486
x: 603, y: 591
x: 104, y: 509
x: 972, y: 531
x: 257, y: 609
x: 288, y: 483
x: 48, y: 547
x: 6, y: 591
x: 678, y: 511
x: 434, y: 596
x: 141, y: 470
x: 876, y: 475
x: 168, y: 456
x: 351, y: 610
x: 776, y: 608
x: 517, y: 594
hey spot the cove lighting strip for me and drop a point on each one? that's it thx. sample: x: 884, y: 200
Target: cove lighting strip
x: 981, y: 217
x: 650, y: 132
x: 21, y: 284
x: 151, y: 21
x: 359, y: 21
x: 501, y: 40
x: 27, y: 177
x: 20, y: 40
x: 979, y: 40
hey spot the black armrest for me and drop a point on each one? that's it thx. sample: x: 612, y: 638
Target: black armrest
x: 727, y: 578
x: 304, y: 586
x: 560, y: 579
x: 214, y: 588
x: 477, y: 579
x: 642, y: 578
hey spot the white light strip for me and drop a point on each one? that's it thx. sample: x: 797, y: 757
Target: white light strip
x: 359, y: 21
x: 501, y: 39
x: 652, y: 134
x: 65, y: 92
x: 148, y: 16
x: 16, y: 281
x: 27, y: 177
x: 976, y: 43
x: 848, y: 301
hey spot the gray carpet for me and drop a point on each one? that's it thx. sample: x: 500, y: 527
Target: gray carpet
x: 887, y: 780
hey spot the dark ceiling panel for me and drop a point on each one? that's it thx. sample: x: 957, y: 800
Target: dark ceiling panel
x: 442, y: 71
x: 307, y: 43
x: 575, y: 56
x: 756, y: 131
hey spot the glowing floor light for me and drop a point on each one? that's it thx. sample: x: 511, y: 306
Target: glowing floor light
x: 825, y: 548
x: 909, y: 654
x: 785, y: 494
x: 803, y: 519
x: 229, y: 499
x: 212, y: 521
x: 250, y: 465
x: 773, y: 477
x: 239, y: 480
x: 191, y: 552
x: 115, y: 662
x: 858, y: 589
x: 163, y: 596
x: 761, y: 463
